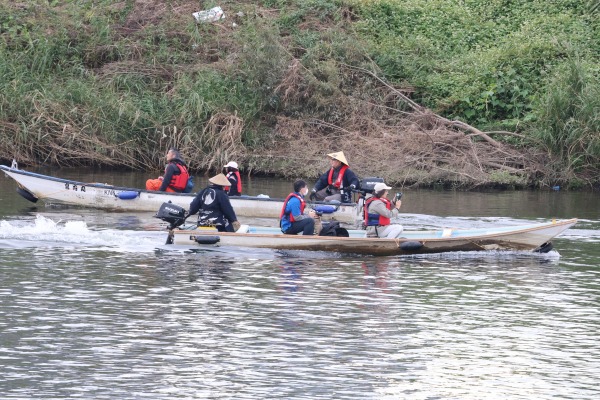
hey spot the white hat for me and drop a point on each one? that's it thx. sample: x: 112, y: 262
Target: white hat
x: 232, y: 164
x: 380, y: 186
x: 339, y: 156
x: 220, y: 180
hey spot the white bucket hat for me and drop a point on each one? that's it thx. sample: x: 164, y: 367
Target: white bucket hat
x: 380, y: 186
x: 220, y: 180
x: 232, y: 164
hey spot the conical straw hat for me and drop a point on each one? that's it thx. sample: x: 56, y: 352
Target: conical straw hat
x: 339, y: 156
x: 220, y: 180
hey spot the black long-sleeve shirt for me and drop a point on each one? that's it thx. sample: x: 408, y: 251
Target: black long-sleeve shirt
x: 170, y: 170
x: 349, y: 179
x: 214, y: 203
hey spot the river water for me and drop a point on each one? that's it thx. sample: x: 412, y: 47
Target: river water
x: 94, y: 305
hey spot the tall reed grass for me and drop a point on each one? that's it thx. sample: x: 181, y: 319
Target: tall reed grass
x: 569, y: 116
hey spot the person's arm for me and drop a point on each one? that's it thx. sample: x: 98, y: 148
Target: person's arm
x: 226, y: 207
x: 378, y: 207
x: 322, y: 181
x: 294, y: 206
x: 168, y: 176
x: 196, y: 203
x: 350, y: 179
x: 232, y: 185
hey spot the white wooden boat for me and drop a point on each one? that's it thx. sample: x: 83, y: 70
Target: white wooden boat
x: 530, y: 237
x: 34, y: 186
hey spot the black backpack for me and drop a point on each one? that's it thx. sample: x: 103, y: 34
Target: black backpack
x: 333, y: 229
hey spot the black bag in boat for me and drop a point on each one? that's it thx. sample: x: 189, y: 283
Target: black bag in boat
x: 333, y: 229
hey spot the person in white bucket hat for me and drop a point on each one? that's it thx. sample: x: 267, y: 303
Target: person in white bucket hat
x: 213, y: 206
x: 337, y: 183
x: 235, y: 180
x: 378, y: 212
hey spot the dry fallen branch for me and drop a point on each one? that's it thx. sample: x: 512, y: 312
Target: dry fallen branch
x: 410, y: 145
x: 420, y: 109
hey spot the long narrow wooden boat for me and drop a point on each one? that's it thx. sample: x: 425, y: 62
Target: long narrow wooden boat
x: 530, y: 237
x: 33, y: 186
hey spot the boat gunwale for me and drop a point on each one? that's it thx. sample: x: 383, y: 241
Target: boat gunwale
x: 7, y: 169
x: 549, y: 225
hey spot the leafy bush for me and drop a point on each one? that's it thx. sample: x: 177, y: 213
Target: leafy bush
x: 479, y: 61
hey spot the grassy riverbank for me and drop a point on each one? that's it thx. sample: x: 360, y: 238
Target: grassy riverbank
x: 277, y: 84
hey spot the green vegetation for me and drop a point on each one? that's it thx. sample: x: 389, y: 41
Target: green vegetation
x: 569, y: 116
x: 107, y: 82
x: 529, y: 66
x: 481, y: 61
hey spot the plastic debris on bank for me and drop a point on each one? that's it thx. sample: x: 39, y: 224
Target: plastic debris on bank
x: 212, y: 15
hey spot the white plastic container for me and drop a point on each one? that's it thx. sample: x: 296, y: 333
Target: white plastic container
x: 212, y: 15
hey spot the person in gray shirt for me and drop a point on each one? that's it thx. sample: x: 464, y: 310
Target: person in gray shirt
x: 378, y: 213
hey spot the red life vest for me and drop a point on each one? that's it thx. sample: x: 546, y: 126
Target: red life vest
x: 179, y: 182
x: 339, y: 180
x: 302, y: 205
x: 239, y: 181
x: 374, y: 219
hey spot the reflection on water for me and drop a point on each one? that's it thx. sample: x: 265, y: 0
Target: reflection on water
x: 94, y: 305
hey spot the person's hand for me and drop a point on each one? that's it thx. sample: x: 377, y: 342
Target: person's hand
x: 236, y: 225
x: 160, y: 177
x: 312, y: 214
x: 353, y: 187
x: 398, y: 204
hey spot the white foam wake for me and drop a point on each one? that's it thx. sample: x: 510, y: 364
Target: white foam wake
x: 43, y: 231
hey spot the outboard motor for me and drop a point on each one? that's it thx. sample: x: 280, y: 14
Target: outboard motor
x: 172, y: 214
x: 367, y: 185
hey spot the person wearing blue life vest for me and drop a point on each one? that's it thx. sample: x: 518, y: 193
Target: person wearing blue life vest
x: 213, y: 206
x: 292, y: 219
x: 337, y: 183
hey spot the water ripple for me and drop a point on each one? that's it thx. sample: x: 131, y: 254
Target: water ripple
x: 91, y: 322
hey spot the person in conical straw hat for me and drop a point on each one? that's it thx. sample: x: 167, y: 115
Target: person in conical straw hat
x: 213, y: 206
x: 219, y: 180
x: 339, y: 156
x: 337, y: 183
